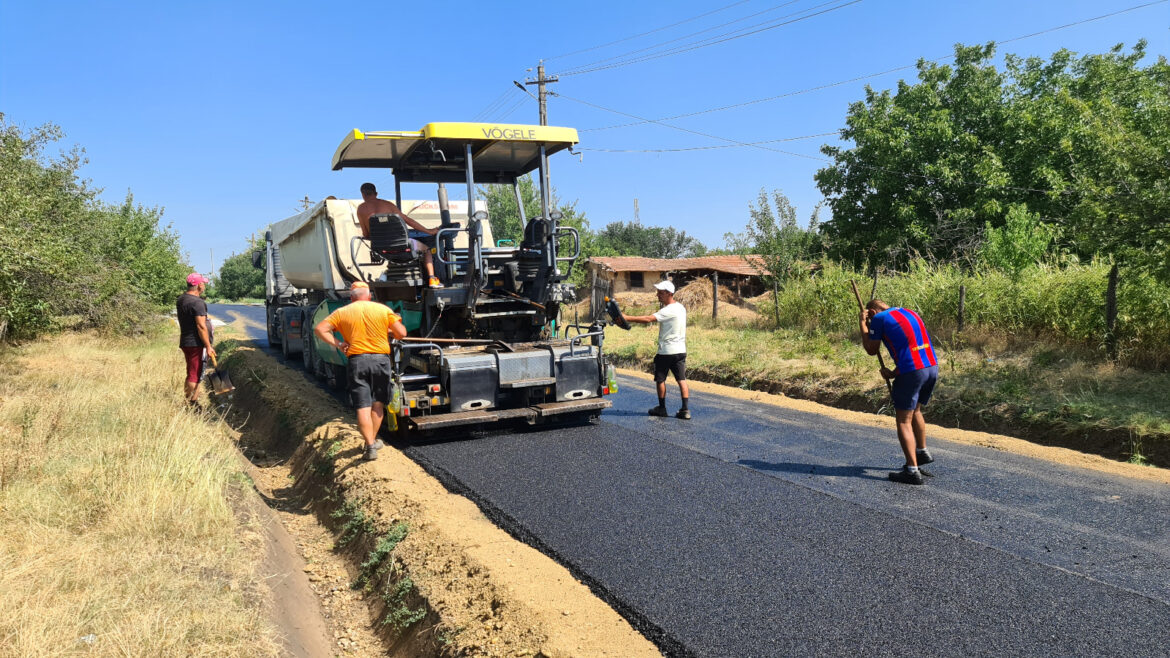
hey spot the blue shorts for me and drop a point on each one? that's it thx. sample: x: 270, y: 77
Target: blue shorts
x: 914, y: 388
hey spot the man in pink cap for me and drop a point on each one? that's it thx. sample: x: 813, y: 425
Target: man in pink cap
x: 194, y: 333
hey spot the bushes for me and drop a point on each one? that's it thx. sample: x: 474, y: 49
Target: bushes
x: 1063, y: 302
x: 63, y: 253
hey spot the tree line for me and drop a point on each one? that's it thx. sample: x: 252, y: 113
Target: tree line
x: 65, y: 256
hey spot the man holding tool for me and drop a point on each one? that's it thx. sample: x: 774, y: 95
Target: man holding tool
x: 365, y: 327
x: 672, y: 347
x: 195, y: 334
x: 915, y: 374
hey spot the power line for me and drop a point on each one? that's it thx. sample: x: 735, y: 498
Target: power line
x: 708, y: 148
x: 723, y: 38
x: 495, y: 105
x: 660, y: 29
x: 904, y: 174
x: 687, y: 130
x: 694, y: 34
x: 873, y: 75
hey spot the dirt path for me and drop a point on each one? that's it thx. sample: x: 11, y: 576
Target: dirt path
x: 397, y: 564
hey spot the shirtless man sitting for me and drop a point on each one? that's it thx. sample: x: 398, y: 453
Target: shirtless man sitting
x: 372, y: 205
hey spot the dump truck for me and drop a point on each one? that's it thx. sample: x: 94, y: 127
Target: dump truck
x: 489, y: 344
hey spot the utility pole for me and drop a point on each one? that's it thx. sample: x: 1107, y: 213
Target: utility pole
x: 542, y: 99
x: 636, y: 221
x: 541, y: 90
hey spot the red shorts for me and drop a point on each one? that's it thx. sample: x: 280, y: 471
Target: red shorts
x: 194, y: 358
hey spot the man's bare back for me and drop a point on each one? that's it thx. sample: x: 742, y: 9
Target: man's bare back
x: 376, y: 206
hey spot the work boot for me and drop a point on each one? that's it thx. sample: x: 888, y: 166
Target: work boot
x: 923, y: 457
x: 659, y: 411
x: 434, y: 282
x: 372, y: 450
x: 684, y: 414
x: 906, y: 477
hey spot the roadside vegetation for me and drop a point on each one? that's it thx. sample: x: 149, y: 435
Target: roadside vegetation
x: 66, y: 258
x: 122, y: 535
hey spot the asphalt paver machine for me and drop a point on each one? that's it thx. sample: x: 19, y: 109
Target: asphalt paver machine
x: 486, y: 346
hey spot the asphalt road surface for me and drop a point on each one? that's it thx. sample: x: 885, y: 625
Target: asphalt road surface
x: 761, y: 531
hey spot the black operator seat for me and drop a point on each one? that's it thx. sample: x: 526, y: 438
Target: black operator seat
x: 390, y: 239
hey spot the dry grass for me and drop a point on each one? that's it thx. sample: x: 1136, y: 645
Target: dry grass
x: 117, y: 532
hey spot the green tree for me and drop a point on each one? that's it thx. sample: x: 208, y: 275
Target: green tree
x: 1020, y: 243
x: 1082, y: 143
x: 635, y: 239
x: 237, y: 278
x: 62, y: 253
x: 773, y: 233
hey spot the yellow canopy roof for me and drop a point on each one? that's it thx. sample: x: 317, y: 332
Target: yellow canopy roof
x: 437, y: 153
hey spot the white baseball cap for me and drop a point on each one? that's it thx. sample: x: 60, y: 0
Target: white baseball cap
x: 665, y: 285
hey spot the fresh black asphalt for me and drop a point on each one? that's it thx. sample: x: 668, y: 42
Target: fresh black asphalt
x: 755, y: 530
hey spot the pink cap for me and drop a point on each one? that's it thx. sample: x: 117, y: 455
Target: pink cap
x: 196, y: 279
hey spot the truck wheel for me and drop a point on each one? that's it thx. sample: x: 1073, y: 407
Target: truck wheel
x: 284, y: 349
x: 336, y: 377
x: 307, y: 352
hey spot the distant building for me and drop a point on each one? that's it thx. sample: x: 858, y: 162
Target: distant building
x: 636, y: 274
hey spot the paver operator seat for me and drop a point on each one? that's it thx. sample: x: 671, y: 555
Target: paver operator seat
x: 390, y: 240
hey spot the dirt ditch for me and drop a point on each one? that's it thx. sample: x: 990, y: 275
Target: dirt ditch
x: 401, y: 565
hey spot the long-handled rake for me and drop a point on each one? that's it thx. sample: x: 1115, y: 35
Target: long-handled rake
x: 881, y: 361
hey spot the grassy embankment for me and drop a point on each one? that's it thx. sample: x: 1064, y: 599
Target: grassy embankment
x: 118, y: 529
x: 1027, y: 364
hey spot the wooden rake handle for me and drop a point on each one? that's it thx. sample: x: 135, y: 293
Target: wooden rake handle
x: 881, y: 361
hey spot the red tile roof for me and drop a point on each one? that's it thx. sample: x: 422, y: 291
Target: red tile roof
x: 751, y: 265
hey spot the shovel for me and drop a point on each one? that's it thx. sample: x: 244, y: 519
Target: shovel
x: 881, y: 361
x: 218, y: 378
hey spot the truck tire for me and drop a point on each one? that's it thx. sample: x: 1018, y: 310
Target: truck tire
x: 284, y: 349
x: 308, y: 353
x: 273, y: 336
x: 336, y: 377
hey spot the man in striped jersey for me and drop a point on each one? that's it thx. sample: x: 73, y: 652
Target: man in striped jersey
x: 915, y: 374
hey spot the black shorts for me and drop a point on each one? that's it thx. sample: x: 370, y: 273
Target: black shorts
x: 675, y: 363
x: 914, y: 388
x: 369, y: 379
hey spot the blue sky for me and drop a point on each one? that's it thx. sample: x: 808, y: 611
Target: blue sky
x: 227, y: 113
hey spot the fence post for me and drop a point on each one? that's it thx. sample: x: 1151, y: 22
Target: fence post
x: 1111, y: 314
x: 715, y: 297
x: 776, y: 300
x: 962, y: 306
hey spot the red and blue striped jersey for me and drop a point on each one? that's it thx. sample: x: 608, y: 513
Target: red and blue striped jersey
x: 905, y: 336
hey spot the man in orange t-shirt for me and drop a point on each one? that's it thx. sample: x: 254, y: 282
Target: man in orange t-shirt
x: 365, y: 327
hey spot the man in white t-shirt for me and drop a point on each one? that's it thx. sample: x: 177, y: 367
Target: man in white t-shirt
x: 672, y: 347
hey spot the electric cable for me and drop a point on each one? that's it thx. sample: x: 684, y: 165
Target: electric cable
x: 708, y: 148
x: 904, y: 174
x: 718, y: 39
x: 660, y: 29
x: 875, y: 75
x: 699, y: 32
x: 499, y: 100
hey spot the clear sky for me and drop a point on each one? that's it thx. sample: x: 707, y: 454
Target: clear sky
x: 228, y: 113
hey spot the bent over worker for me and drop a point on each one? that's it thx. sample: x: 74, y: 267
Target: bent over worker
x: 915, y: 374
x: 672, y: 348
x: 365, y: 327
